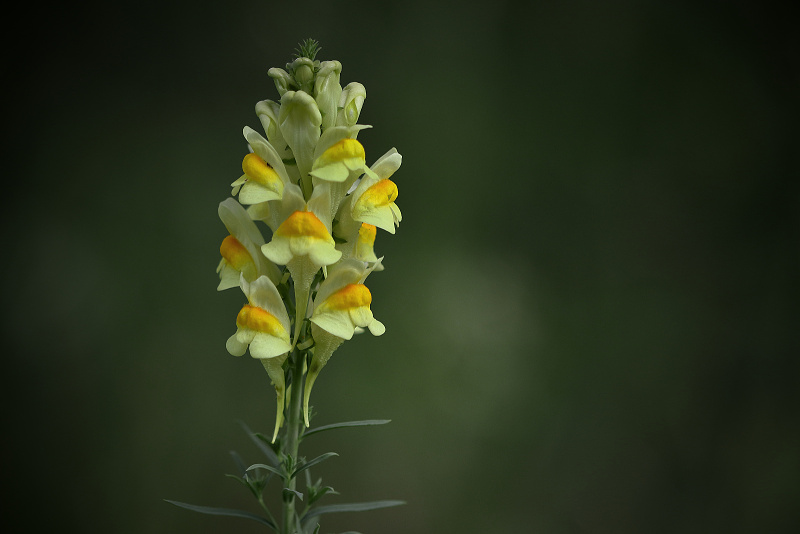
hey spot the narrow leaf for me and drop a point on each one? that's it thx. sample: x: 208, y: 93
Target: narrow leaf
x: 351, y: 507
x: 239, y: 479
x: 310, y: 463
x: 239, y: 462
x: 268, y: 452
x: 368, y: 422
x: 225, y: 512
x: 268, y: 468
x: 318, y: 493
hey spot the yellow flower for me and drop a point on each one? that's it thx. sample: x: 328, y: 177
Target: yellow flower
x: 370, y: 205
x: 341, y: 306
x: 339, y: 159
x: 263, y: 325
x: 304, y: 244
x: 362, y: 246
x: 264, y: 175
x: 241, y: 250
x: 375, y: 205
x: 260, y: 181
x: 336, y: 163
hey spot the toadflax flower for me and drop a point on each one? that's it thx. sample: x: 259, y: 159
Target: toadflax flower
x: 341, y: 306
x: 241, y: 250
x: 265, y: 175
x: 373, y: 199
x: 263, y: 325
x: 304, y: 244
x: 370, y: 205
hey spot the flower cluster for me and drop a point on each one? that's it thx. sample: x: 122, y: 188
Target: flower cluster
x: 307, y: 181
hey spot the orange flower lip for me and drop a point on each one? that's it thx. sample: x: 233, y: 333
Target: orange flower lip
x: 350, y: 296
x: 367, y: 233
x: 260, y: 320
x: 381, y: 193
x: 344, y: 149
x: 303, y: 224
x: 259, y: 170
x: 234, y: 253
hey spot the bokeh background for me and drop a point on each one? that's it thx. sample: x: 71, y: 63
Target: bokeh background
x: 591, y: 302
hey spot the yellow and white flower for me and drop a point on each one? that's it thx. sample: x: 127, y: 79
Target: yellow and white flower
x: 339, y: 160
x: 370, y: 205
x: 339, y: 155
x: 373, y: 199
x: 241, y: 250
x: 341, y: 306
x: 361, y: 245
x: 304, y: 244
x: 265, y: 175
x: 263, y: 325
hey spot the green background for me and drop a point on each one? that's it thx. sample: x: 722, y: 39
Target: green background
x: 591, y: 303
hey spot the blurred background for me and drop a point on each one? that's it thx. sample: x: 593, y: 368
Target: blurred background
x: 591, y: 303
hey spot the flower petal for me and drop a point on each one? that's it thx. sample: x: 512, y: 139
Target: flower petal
x: 234, y: 346
x: 300, y: 122
x: 267, y: 346
x: 376, y: 328
x: 255, y: 193
x: 337, y: 323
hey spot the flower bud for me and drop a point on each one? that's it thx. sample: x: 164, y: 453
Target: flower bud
x: 303, y: 70
x: 268, y: 112
x: 283, y: 82
x: 351, y: 102
x: 300, y: 122
x: 327, y: 91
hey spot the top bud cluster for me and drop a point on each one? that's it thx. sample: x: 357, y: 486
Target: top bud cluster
x: 309, y: 183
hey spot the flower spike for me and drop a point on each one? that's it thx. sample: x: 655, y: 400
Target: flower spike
x: 306, y: 178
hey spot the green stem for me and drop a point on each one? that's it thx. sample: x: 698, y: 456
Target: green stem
x: 294, y: 421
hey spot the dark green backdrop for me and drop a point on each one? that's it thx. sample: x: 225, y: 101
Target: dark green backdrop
x: 591, y: 303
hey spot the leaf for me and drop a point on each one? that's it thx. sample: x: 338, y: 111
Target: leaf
x: 368, y: 422
x: 316, y: 493
x: 239, y: 479
x: 268, y: 468
x: 225, y: 512
x: 270, y: 454
x: 239, y: 462
x: 310, y: 463
x: 267, y: 441
x: 351, y: 507
x: 291, y: 491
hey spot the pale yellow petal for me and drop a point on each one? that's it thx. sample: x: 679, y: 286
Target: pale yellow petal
x: 268, y: 346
